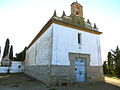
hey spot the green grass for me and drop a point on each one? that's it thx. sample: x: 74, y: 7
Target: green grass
x: 115, y: 78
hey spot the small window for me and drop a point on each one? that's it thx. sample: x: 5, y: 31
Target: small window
x: 79, y: 38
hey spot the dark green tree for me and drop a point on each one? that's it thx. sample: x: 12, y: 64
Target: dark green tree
x: 21, y: 56
x: 105, y: 68
x: 6, y: 49
x: 116, y: 59
x: 11, y: 53
x: 110, y: 63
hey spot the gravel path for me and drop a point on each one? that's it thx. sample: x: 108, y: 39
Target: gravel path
x: 23, y: 82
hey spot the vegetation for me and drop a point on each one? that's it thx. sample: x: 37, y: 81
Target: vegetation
x: 20, y: 56
x: 6, y: 49
x: 11, y: 53
x: 112, y: 65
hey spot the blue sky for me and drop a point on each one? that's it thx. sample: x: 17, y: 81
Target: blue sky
x: 21, y: 20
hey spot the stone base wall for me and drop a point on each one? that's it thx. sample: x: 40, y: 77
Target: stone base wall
x: 53, y: 75
x: 39, y: 72
x: 95, y: 73
x: 60, y: 74
x: 63, y: 74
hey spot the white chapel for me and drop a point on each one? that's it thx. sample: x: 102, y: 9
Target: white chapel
x: 66, y: 50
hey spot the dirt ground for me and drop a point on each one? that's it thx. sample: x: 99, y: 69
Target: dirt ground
x: 23, y: 82
x: 112, y: 81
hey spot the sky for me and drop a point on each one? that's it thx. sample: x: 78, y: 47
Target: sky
x: 21, y: 20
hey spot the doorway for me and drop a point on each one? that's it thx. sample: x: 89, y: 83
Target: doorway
x: 80, y: 69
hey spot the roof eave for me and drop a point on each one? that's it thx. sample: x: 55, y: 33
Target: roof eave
x: 76, y: 27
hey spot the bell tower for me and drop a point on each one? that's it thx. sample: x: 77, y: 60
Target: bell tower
x: 76, y: 9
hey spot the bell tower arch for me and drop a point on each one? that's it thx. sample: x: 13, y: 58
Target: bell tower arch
x: 76, y: 9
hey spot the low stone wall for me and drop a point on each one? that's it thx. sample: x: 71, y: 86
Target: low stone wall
x: 4, y: 69
x: 39, y: 72
x: 16, y: 67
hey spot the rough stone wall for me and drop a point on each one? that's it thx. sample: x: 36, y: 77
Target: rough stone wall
x: 95, y: 73
x: 64, y: 75
x: 39, y: 72
x: 50, y: 75
x: 60, y: 74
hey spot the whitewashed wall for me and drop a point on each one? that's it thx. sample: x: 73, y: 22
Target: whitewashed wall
x: 4, y: 69
x: 16, y: 67
x: 40, y: 52
x: 65, y: 40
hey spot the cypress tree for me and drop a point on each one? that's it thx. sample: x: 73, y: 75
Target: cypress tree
x: 11, y: 53
x: 112, y: 67
x: 6, y: 49
x: 116, y: 59
x: 110, y: 64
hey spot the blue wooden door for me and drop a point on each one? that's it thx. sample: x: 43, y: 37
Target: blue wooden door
x: 80, y: 69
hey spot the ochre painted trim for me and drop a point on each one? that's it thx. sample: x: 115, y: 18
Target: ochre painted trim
x: 47, y: 25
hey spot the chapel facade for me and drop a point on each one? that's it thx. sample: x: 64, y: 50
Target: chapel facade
x: 66, y: 50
